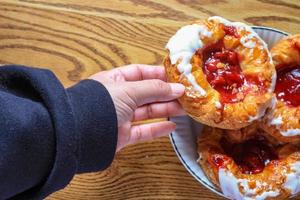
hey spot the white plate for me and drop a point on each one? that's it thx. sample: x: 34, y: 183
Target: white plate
x: 184, y: 137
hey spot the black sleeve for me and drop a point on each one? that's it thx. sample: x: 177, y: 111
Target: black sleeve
x: 47, y: 133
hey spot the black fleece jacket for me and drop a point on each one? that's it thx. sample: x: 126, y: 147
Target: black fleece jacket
x: 48, y: 133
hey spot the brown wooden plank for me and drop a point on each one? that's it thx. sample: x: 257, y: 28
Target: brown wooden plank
x: 78, y: 38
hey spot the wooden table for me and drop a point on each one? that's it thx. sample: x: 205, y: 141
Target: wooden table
x: 78, y: 38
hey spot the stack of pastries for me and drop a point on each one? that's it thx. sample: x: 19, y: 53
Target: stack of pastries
x: 249, y: 99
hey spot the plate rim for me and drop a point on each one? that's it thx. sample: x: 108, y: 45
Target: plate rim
x: 271, y: 29
x: 187, y: 167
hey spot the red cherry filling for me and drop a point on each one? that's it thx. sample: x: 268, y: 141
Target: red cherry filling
x: 231, y: 30
x: 288, y: 86
x: 223, y: 72
x: 252, y: 155
x: 219, y: 160
x: 296, y: 45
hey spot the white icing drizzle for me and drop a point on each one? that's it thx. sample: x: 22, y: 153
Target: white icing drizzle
x: 291, y: 132
x: 273, y: 82
x: 266, y: 194
x: 273, y: 103
x: 256, y: 117
x: 261, y: 112
x: 200, y: 157
x: 252, y: 193
x: 183, y: 45
x: 276, y: 121
x: 230, y: 187
x: 247, y: 42
x: 280, y: 94
x: 292, y: 181
x: 218, y: 105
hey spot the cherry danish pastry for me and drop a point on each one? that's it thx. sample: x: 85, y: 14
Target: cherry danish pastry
x: 255, y: 167
x: 227, y: 70
x: 283, y: 121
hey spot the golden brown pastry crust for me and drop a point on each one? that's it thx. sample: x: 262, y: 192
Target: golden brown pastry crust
x: 285, y: 53
x: 272, y: 178
x: 204, y: 109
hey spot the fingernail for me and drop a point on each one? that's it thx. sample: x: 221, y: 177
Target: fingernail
x: 177, y: 88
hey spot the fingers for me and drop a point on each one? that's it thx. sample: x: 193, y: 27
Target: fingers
x: 151, y: 131
x: 148, y: 91
x: 158, y: 110
x: 136, y: 72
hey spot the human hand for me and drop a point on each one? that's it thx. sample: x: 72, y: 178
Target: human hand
x: 139, y: 92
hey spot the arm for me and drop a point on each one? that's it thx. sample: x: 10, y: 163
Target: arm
x: 47, y: 133
x: 42, y: 126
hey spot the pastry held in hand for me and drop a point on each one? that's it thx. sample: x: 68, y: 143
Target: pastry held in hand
x: 257, y: 167
x: 227, y: 70
x: 283, y: 121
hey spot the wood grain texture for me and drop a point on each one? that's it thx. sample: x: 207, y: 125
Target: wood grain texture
x: 78, y: 38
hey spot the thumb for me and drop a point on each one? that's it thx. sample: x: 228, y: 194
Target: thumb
x: 149, y: 91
